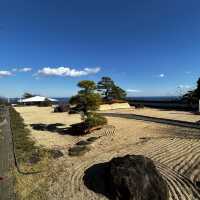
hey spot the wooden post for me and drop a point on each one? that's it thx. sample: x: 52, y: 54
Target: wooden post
x: 199, y: 105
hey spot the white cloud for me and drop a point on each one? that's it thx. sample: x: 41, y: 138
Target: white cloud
x: 5, y: 73
x: 67, y: 71
x: 161, y: 75
x: 25, y: 69
x: 133, y: 90
x: 188, y: 72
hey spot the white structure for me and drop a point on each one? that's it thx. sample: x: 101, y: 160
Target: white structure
x: 36, y: 99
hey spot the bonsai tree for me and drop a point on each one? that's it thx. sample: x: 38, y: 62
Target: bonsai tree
x: 88, y: 101
x: 109, y: 90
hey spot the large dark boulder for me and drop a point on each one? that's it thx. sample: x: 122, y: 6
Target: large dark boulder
x: 135, y: 177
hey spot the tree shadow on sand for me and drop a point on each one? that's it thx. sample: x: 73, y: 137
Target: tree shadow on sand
x: 56, y: 128
x: 96, y: 179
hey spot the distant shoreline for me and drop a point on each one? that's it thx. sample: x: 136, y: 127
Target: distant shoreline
x: 138, y: 98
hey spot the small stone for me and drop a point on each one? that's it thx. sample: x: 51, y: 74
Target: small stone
x: 83, y: 142
x: 92, y: 139
x: 56, y: 153
x: 78, y: 150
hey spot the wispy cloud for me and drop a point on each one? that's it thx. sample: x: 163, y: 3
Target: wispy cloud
x: 25, y: 69
x: 188, y: 72
x: 67, y: 71
x: 133, y: 90
x: 5, y: 73
x: 161, y: 75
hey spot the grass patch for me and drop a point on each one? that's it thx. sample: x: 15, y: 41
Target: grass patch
x: 1, y: 120
x: 1, y: 114
x: 32, y: 186
x: 24, y: 145
x: 30, y: 159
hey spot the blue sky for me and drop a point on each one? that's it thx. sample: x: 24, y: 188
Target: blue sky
x: 148, y: 47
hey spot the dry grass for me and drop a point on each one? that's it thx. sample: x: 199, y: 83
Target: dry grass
x: 30, y: 180
x: 32, y: 186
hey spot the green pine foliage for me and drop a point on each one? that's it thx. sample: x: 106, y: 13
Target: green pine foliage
x: 109, y: 90
x: 88, y: 101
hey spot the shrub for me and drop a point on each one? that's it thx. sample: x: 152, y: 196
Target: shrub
x: 62, y: 108
x: 73, y: 111
x: 94, y: 120
x: 3, y: 101
x: 77, y: 129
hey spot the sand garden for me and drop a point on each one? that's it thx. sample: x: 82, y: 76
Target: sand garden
x: 175, y: 150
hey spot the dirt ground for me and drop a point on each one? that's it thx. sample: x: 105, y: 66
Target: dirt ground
x: 175, y: 151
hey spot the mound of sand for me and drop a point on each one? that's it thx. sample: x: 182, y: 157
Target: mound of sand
x: 114, y: 106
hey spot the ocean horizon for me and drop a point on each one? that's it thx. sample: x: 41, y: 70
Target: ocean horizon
x: 138, y: 98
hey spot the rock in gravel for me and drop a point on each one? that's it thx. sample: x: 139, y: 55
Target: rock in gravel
x: 83, y: 142
x: 135, y: 177
x: 92, y: 139
x: 78, y: 150
x: 56, y: 153
x: 197, y: 183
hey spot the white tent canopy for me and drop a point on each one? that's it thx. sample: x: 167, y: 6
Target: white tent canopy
x: 36, y: 99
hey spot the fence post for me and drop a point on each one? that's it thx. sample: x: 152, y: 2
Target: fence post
x: 199, y: 105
